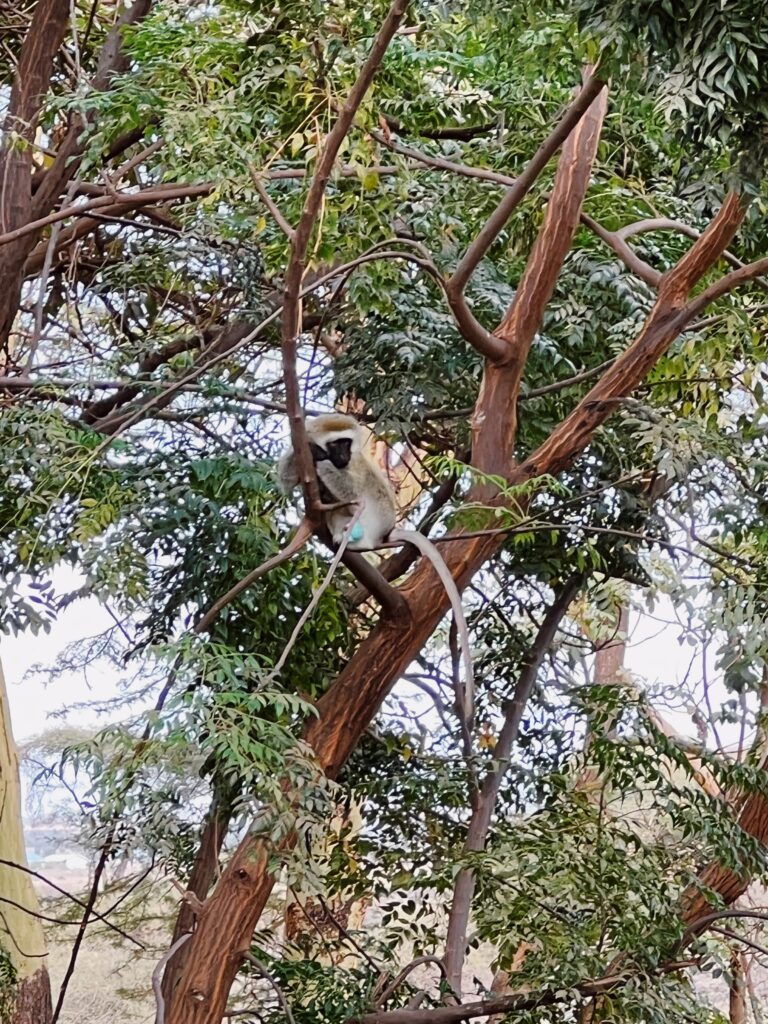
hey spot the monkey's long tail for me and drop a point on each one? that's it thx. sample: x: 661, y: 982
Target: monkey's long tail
x: 425, y: 547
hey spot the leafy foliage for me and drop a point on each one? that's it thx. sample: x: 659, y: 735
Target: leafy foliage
x: 147, y: 461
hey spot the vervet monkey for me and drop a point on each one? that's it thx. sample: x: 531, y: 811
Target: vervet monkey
x: 345, y: 473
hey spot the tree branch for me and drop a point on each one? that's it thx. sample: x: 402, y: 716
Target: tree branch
x: 493, y: 437
x: 273, y: 208
x: 748, y: 272
x: 441, y: 164
x: 477, y: 833
x: 517, y: 192
x: 625, y: 252
x: 515, y: 1002
x: 274, y: 983
x: 118, y: 200
x: 666, y: 321
x: 297, y: 542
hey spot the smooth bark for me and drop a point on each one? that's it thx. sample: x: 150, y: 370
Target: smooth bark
x: 21, y: 931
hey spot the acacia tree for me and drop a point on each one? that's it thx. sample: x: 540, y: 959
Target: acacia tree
x: 135, y: 359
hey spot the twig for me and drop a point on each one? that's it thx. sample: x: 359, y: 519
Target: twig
x: 440, y: 164
x: 318, y: 593
x: 73, y: 898
x: 625, y: 252
x: 400, y: 978
x: 37, y: 913
x: 134, y: 161
x: 741, y: 938
x: 300, y: 538
x: 157, y: 977
x: 155, y: 194
x: 88, y: 910
x: 350, y: 939
x: 12, y: 937
x: 44, y: 273
x: 514, y: 1002
x: 116, y: 426
x: 477, y: 832
x: 700, y: 923
x: 272, y: 981
x: 270, y: 204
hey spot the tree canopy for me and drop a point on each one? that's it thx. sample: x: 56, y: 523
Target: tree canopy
x: 526, y: 245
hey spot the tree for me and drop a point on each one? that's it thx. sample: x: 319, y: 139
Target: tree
x: 404, y: 285
x: 25, y: 989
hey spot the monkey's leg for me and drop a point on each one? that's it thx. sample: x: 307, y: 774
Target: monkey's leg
x: 393, y: 604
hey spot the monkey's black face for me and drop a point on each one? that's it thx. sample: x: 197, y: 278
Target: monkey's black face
x: 340, y: 451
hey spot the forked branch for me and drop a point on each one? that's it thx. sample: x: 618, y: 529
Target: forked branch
x: 489, y: 345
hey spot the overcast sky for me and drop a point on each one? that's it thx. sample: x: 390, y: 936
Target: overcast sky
x: 654, y: 655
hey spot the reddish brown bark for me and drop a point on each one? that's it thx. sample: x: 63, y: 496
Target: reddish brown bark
x: 728, y: 884
x: 201, y: 879
x: 33, y: 999
x: 737, y: 991
x: 494, y: 423
x: 609, y: 658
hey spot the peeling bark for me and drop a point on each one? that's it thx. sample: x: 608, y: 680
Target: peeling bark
x: 21, y: 932
x: 201, y: 879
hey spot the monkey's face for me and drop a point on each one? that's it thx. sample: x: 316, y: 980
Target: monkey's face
x: 340, y: 451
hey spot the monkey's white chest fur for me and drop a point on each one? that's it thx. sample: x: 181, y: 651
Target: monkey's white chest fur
x: 370, y: 496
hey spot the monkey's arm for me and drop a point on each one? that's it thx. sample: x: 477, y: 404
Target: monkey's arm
x: 337, y: 482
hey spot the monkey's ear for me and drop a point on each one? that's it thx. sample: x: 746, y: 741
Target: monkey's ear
x: 287, y: 474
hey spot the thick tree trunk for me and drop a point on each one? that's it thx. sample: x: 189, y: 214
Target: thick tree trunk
x: 22, y: 941
x: 201, y: 878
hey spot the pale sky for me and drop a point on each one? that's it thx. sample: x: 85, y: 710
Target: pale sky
x: 654, y: 655
x: 32, y: 701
